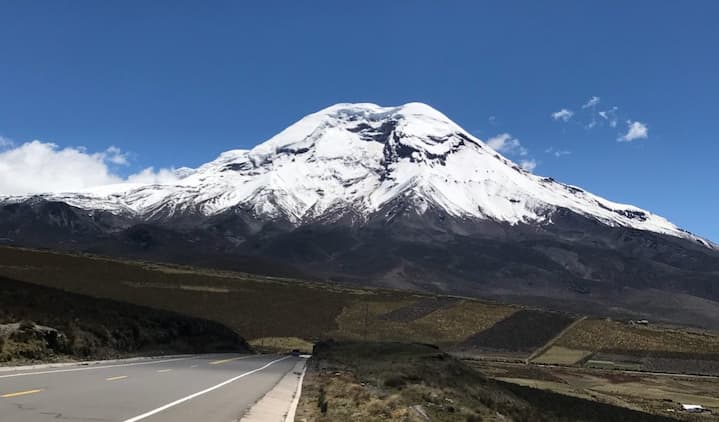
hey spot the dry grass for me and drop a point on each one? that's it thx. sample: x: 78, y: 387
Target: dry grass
x: 558, y: 355
x: 445, y: 327
x: 381, y: 382
x: 349, y: 400
x: 280, y: 344
x: 603, y: 335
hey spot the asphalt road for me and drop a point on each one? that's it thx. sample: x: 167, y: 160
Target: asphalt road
x: 202, y: 388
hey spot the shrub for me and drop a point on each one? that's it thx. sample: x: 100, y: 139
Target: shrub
x: 395, y: 381
x: 26, y: 325
x: 322, y: 401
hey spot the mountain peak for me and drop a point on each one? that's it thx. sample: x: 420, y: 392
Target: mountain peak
x: 371, y: 109
x: 336, y: 123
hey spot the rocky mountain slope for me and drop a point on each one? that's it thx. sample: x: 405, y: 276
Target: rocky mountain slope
x: 391, y: 196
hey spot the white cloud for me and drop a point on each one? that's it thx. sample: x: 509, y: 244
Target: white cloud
x: 636, y: 130
x: 557, y: 152
x: 590, y: 116
x: 36, y: 167
x: 592, y: 102
x: 116, y: 156
x: 150, y: 176
x: 528, y: 165
x: 43, y: 167
x: 610, y: 116
x: 563, y: 115
x: 506, y: 144
x: 492, y: 119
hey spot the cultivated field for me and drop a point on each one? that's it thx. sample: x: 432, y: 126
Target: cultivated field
x: 618, y: 345
x: 657, y: 394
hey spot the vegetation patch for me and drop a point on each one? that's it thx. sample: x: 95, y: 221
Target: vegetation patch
x: 523, y: 331
x: 644, y: 347
x: 606, y: 335
x: 418, y: 309
x: 445, y: 326
x: 558, y: 355
x: 281, y: 345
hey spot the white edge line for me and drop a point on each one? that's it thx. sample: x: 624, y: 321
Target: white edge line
x: 199, y: 393
x: 59, y: 365
x: 88, y: 368
x: 290, y: 417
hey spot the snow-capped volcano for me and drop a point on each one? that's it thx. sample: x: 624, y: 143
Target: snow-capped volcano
x: 357, y: 158
x: 396, y: 197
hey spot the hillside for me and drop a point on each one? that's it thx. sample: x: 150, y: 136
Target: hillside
x: 262, y: 307
x: 39, y: 323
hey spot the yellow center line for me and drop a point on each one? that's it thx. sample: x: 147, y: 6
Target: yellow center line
x: 20, y: 393
x: 164, y: 370
x: 122, y: 377
x: 219, y: 362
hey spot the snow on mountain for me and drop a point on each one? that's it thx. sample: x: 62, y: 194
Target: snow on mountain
x: 358, y: 158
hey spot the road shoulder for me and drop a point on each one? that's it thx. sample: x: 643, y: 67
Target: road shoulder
x: 280, y: 403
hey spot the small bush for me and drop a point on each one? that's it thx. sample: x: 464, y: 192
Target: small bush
x: 378, y: 408
x: 322, y: 401
x: 26, y: 325
x: 395, y: 381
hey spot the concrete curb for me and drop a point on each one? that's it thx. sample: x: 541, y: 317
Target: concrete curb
x: 290, y: 417
x: 280, y: 403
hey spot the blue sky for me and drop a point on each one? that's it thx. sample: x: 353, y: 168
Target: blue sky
x: 172, y: 84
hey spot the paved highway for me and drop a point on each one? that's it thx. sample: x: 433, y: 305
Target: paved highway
x: 204, y: 388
